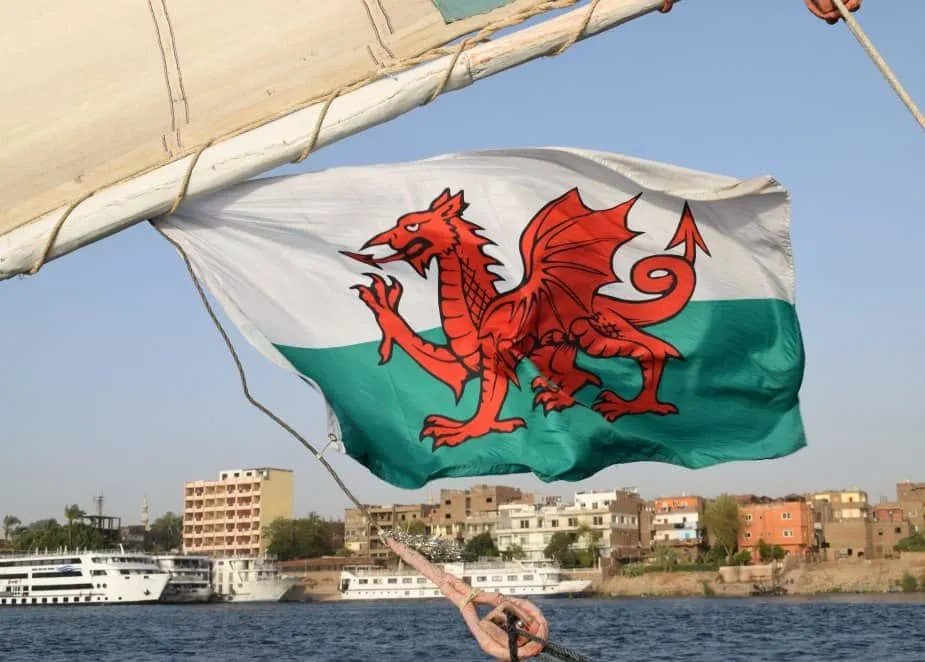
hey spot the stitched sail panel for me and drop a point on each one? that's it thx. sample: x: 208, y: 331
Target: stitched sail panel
x: 96, y: 95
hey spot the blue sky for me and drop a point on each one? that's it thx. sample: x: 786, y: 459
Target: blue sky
x: 115, y: 382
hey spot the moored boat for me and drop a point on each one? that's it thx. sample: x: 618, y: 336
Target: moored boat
x: 80, y: 577
x: 190, y: 578
x: 516, y: 578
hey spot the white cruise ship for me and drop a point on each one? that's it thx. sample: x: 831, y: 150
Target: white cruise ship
x: 249, y: 579
x: 190, y: 578
x: 79, y: 578
x: 517, y: 578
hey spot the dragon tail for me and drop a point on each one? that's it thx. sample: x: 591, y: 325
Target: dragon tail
x: 673, y: 287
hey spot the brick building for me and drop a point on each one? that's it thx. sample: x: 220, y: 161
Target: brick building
x: 889, y: 526
x: 785, y: 523
x: 911, y: 498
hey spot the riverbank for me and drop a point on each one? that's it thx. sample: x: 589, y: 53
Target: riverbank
x: 825, y: 577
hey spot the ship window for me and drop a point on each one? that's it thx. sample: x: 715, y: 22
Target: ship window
x: 421, y: 580
x: 393, y: 580
x: 528, y: 578
x: 97, y: 573
x: 497, y: 578
x: 364, y: 581
x: 481, y: 579
x: 512, y: 578
x: 406, y: 580
x: 49, y: 575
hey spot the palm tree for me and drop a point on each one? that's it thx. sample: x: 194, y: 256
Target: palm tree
x: 72, y: 512
x: 10, y: 522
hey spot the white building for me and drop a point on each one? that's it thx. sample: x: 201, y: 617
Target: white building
x: 532, y: 526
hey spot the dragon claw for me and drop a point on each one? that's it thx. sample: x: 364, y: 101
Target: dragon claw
x: 450, y: 432
x: 611, y: 406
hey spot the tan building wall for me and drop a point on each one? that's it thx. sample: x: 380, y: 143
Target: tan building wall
x: 849, y: 538
x: 227, y: 517
x: 359, y: 539
x: 456, y: 507
x: 911, y: 498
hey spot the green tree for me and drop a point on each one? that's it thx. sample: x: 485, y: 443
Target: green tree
x: 913, y: 543
x: 722, y: 520
x: 72, y: 513
x: 665, y: 557
x: 513, y: 552
x: 742, y: 557
x: 480, y: 546
x: 303, y: 538
x: 716, y: 555
x: 166, y: 532
x: 49, y: 534
x: 560, y: 549
x: 593, y: 542
x: 10, y: 522
x: 768, y: 553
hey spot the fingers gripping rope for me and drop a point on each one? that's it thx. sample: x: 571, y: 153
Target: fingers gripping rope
x: 828, y: 11
x: 491, y: 632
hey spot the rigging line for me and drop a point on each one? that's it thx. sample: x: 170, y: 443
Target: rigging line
x: 550, y: 649
x: 879, y: 61
x: 243, y: 377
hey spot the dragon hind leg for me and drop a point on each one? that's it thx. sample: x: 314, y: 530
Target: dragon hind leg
x: 450, y: 432
x: 560, y: 379
x: 617, y: 337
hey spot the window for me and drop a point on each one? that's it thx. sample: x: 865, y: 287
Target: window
x: 524, y: 524
x: 573, y: 521
x: 897, y: 530
x: 786, y: 515
x: 597, y: 520
x: 539, y: 523
x: 748, y: 534
x: 554, y: 523
x: 748, y: 517
x: 487, y: 499
x: 788, y: 533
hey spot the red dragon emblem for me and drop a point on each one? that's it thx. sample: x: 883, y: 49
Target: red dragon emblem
x: 555, y: 312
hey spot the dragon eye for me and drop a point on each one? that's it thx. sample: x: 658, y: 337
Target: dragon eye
x: 412, y: 227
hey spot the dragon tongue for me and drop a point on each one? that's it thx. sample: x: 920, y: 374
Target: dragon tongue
x: 365, y: 258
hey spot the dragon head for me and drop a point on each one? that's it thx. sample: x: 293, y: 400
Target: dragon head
x: 420, y: 236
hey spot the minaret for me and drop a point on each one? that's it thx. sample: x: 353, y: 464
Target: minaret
x: 144, y: 513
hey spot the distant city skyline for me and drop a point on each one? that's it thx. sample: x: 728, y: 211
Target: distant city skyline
x: 114, y: 382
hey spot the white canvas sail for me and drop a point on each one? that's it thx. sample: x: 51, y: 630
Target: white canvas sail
x: 116, y: 100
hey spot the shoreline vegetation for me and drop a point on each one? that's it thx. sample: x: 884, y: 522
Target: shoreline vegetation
x: 905, y: 574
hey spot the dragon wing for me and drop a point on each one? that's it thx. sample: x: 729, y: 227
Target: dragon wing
x: 568, y: 252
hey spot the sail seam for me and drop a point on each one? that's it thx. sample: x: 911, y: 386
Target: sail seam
x: 374, y: 12
x: 173, y: 77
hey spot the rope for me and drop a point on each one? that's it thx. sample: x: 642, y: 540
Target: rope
x: 243, y: 378
x: 512, y: 637
x: 551, y: 649
x: 456, y: 52
x: 878, y: 60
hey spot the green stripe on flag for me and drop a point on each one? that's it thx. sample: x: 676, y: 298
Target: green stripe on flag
x: 454, y: 10
x: 736, y: 392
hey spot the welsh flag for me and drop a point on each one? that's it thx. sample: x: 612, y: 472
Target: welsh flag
x: 552, y: 311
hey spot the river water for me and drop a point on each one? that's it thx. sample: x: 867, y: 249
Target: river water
x: 843, y: 628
